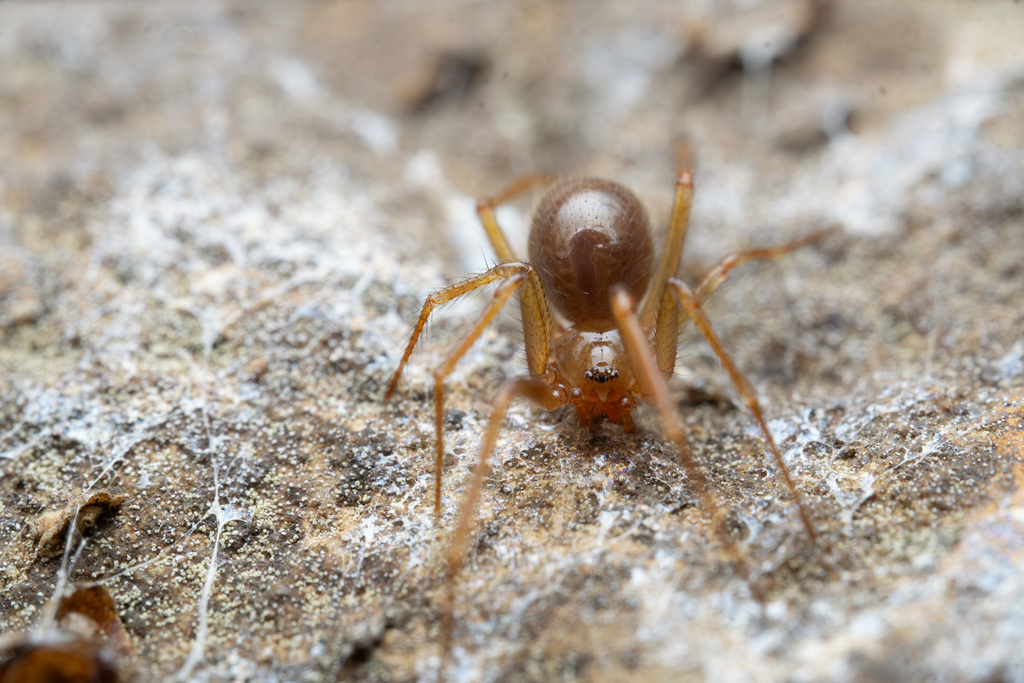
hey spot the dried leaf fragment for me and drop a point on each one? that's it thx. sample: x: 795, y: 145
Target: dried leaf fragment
x: 94, y: 608
x: 51, y: 527
x: 89, y: 644
x: 57, y: 657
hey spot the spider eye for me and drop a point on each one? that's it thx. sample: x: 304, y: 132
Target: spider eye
x: 601, y: 375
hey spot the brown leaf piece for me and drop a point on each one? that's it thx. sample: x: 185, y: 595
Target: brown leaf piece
x: 95, y: 606
x: 90, y: 644
x: 60, y: 658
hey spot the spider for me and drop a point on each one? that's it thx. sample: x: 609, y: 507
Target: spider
x: 613, y: 343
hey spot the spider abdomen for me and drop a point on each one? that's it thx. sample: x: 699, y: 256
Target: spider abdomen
x: 587, y: 235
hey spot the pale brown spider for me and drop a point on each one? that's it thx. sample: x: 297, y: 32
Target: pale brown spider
x: 591, y: 258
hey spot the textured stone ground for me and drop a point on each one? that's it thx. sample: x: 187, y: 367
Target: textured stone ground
x: 217, y: 221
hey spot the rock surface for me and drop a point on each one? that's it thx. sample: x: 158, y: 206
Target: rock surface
x: 217, y: 221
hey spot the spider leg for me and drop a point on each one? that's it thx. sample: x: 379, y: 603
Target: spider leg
x: 485, y: 210
x: 689, y: 300
x: 501, y: 295
x: 643, y: 363
x: 537, y: 320
x: 445, y: 295
x: 543, y: 395
x: 659, y: 311
x: 717, y: 274
x: 514, y: 275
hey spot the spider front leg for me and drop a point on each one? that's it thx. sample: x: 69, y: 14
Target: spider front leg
x: 643, y: 364
x: 689, y: 300
x: 514, y: 275
x: 655, y: 392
